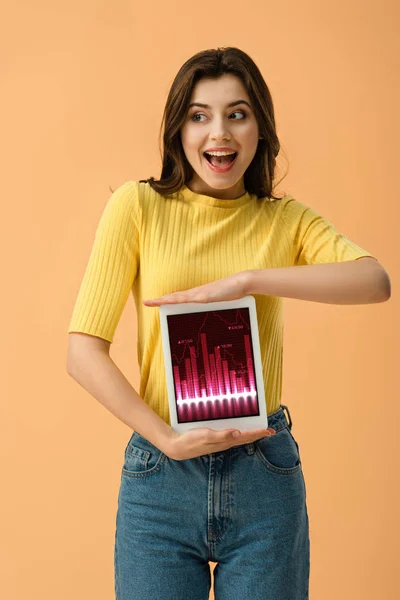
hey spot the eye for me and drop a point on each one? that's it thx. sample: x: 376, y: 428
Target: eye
x: 242, y: 112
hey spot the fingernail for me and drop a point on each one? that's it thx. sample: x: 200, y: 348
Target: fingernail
x: 235, y: 433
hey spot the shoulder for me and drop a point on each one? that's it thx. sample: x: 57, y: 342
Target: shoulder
x: 286, y: 208
x: 293, y: 211
x: 125, y: 191
x: 124, y: 202
x: 291, y: 206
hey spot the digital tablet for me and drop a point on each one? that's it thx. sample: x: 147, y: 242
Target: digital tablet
x: 213, y: 365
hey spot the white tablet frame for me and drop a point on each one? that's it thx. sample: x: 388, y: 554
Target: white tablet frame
x: 243, y: 423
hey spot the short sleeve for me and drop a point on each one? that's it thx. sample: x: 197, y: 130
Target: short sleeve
x: 112, y: 266
x: 314, y: 239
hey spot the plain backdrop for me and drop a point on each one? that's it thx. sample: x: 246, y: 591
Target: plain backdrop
x: 83, y: 88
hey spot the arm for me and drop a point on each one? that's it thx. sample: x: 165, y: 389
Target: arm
x: 109, y: 276
x: 89, y: 363
x: 361, y: 281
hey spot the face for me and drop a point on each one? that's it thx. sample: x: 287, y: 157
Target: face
x: 219, y: 125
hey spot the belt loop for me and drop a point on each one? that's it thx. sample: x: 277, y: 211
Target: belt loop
x: 250, y: 447
x: 288, y: 413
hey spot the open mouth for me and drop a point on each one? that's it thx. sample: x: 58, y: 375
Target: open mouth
x: 220, y: 161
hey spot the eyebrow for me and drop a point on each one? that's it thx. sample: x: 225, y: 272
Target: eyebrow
x: 228, y: 105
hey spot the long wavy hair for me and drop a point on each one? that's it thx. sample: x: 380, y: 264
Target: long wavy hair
x: 176, y: 170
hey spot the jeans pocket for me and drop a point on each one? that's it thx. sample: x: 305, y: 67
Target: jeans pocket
x: 141, y: 457
x: 279, y: 453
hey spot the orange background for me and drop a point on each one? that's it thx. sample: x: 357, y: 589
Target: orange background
x: 83, y: 87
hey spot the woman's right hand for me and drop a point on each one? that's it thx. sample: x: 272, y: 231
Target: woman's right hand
x: 203, y: 440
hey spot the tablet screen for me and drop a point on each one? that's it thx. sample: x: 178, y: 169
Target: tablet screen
x: 212, y: 362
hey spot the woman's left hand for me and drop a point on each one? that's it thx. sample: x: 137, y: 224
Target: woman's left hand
x: 232, y: 287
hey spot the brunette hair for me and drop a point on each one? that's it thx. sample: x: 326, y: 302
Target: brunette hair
x: 176, y: 170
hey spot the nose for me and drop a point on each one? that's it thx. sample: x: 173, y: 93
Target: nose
x: 220, y: 130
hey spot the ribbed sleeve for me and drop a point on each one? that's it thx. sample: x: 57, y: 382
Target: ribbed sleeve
x: 315, y: 239
x: 112, y: 266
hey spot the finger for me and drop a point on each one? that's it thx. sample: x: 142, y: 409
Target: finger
x: 244, y: 437
x: 160, y: 298
x: 247, y: 437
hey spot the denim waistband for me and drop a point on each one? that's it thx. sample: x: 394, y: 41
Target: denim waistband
x: 277, y: 420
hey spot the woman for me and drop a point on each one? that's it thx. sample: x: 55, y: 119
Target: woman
x: 210, y: 229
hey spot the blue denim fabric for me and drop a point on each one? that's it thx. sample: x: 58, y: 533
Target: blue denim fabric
x: 243, y: 508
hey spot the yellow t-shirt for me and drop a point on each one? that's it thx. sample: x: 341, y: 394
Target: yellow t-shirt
x: 152, y: 246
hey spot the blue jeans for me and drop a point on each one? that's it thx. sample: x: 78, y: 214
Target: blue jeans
x: 243, y: 508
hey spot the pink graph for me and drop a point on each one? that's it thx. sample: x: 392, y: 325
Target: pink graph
x: 213, y: 369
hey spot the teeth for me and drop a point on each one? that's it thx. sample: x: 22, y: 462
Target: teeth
x: 219, y: 153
